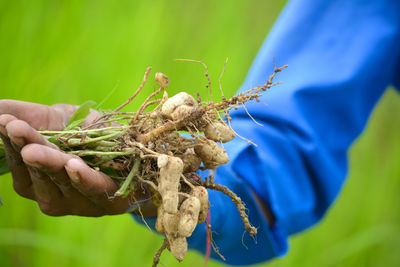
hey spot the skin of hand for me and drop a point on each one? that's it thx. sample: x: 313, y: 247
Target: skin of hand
x: 60, y: 183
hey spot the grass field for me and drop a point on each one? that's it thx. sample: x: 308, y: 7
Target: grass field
x: 73, y: 51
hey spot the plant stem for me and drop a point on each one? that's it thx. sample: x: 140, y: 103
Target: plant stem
x: 85, y: 131
x: 137, y: 91
x: 236, y: 200
x: 82, y: 153
x: 104, y: 143
x: 127, y: 182
x: 86, y: 141
x: 156, y: 258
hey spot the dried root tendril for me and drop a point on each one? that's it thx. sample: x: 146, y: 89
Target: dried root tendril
x: 157, y: 256
x: 236, y: 200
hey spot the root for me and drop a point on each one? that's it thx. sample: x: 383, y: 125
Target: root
x: 220, y: 78
x: 208, y: 86
x: 124, y: 188
x: 171, y: 126
x: 157, y: 256
x: 146, y: 75
x: 146, y: 103
x: 187, y: 182
x: 238, y: 202
x: 139, y: 209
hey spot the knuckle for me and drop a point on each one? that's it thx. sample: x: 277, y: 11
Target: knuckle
x: 17, y: 127
x: 4, y: 104
x: 6, y: 118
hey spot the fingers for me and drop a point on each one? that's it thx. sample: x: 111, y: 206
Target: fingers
x: 57, y: 199
x: 60, y: 183
x: 21, y: 177
x: 89, y: 181
x: 48, y: 161
x: 52, y: 186
x: 21, y: 133
x: 47, y: 194
x: 85, y: 191
x: 35, y: 114
x: 41, y: 160
x: 38, y: 116
x: 97, y: 186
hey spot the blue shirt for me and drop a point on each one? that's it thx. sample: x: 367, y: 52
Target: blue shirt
x: 342, y: 55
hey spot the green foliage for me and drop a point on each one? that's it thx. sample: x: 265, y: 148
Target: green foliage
x: 80, y: 115
x: 72, y: 51
x: 3, y: 161
x: 3, y: 166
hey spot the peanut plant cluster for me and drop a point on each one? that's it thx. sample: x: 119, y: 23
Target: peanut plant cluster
x: 145, y: 151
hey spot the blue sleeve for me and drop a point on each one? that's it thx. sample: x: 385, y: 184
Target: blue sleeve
x: 342, y: 55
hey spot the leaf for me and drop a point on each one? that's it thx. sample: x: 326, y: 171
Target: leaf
x: 3, y: 165
x: 3, y: 162
x: 2, y: 151
x: 80, y: 114
x: 74, y: 124
x: 111, y: 172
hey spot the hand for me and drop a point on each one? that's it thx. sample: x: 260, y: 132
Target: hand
x: 60, y: 183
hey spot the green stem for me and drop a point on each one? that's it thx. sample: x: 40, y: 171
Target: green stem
x: 83, y: 153
x: 127, y: 182
x: 78, y: 141
x: 85, y: 131
x: 103, y: 148
x: 106, y: 144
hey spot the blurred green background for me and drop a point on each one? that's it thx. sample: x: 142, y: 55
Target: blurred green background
x: 73, y: 51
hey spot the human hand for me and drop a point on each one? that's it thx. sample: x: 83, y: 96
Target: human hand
x: 60, y: 183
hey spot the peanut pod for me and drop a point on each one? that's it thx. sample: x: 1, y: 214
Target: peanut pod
x: 202, y: 194
x: 211, y: 154
x: 170, y: 172
x: 219, y: 132
x: 189, y: 214
x: 177, y: 100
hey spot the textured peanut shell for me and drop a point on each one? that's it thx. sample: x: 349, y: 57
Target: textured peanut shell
x: 189, y: 214
x: 181, y: 112
x: 211, y: 154
x: 191, y: 162
x: 178, y: 246
x: 177, y: 100
x: 159, y: 221
x: 219, y: 132
x: 170, y: 173
x: 162, y: 80
x: 202, y: 194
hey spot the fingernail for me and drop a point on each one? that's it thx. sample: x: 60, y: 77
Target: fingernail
x: 19, y: 141
x: 34, y: 165
x: 73, y: 175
